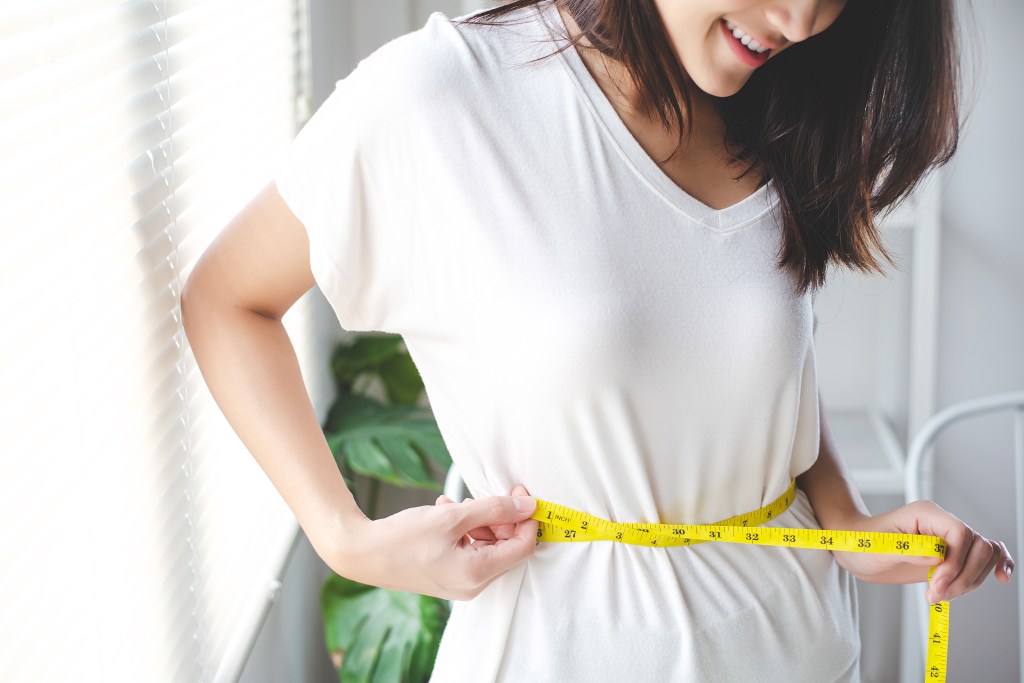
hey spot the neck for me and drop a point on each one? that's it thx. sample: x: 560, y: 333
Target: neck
x: 617, y: 84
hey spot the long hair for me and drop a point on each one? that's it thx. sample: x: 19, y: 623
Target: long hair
x: 846, y: 122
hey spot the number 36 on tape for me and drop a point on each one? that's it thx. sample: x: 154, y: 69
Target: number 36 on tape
x: 560, y: 524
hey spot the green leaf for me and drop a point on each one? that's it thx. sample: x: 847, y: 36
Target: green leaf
x: 401, y: 379
x: 394, y: 444
x: 364, y: 352
x: 350, y: 410
x: 383, y: 636
x: 435, y: 449
x: 382, y: 355
x: 366, y: 457
x: 405, y: 459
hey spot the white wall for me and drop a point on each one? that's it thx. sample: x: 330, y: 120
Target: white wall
x: 981, y: 328
x: 344, y: 32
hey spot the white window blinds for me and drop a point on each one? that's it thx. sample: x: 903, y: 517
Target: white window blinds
x: 140, y: 539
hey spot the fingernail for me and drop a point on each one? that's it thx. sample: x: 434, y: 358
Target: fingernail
x: 1009, y: 570
x: 523, y: 503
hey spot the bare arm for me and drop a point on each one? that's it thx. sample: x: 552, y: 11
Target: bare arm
x: 837, y: 504
x: 232, y: 307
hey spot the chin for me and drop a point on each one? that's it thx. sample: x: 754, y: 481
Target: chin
x: 720, y: 88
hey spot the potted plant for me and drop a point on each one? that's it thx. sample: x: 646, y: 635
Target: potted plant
x: 378, y: 428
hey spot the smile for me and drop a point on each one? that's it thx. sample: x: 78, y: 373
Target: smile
x: 745, y: 47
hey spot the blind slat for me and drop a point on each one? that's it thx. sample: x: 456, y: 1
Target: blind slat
x: 66, y: 36
x: 127, y: 129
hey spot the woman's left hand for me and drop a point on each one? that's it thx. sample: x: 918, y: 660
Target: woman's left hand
x: 970, y: 557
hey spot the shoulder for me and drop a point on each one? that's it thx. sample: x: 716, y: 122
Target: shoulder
x: 446, y: 61
x: 439, y: 88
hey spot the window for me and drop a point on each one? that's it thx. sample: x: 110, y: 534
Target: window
x: 140, y: 538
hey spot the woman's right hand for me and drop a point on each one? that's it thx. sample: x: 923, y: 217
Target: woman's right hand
x: 429, y: 550
x: 232, y: 308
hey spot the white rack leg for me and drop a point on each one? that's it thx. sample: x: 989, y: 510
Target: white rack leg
x: 1018, y: 452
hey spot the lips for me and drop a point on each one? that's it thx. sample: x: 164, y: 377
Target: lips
x: 746, y: 56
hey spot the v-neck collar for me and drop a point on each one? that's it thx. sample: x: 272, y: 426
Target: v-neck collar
x: 735, y: 216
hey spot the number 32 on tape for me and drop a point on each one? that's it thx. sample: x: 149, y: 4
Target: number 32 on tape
x: 560, y: 524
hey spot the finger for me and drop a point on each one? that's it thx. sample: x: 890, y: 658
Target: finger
x: 495, y: 510
x: 527, y: 530
x: 503, y: 554
x: 474, y: 535
x: 1005, y: 565
x: 980, y: 561
x: 989, y: 568
x: 958, y: 545
x: 504, y: 531
x: 483, y: 533
x: 467, y: 538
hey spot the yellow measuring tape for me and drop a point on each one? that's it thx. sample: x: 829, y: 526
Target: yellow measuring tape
x: 560, y: 524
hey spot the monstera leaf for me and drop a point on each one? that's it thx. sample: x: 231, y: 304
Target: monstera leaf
x: 381, y: 355
x: 376, y: 635
x: 394, y: 444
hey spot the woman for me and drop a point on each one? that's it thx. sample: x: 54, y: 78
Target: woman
x: 603, y: 262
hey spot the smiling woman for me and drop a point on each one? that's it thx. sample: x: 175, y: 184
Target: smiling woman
x: 596, y: 326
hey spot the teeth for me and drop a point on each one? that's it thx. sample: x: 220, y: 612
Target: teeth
x: 745, y: 39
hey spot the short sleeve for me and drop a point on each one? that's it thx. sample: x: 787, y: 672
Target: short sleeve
x: 392, y: 176
x: 337, y: 179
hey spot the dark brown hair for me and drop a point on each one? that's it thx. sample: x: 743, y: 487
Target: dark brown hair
x: 846, y: 122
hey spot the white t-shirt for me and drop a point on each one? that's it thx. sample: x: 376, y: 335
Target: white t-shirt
x: 585, y: 327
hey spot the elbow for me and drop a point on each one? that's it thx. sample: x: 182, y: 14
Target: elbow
x: 204, y: 307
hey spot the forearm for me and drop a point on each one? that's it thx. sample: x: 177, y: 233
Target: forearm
x: 250, y: 366
x: 829, y: 485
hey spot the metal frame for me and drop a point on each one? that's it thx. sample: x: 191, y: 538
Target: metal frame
x: 920, y: 485
x: 454, y: 487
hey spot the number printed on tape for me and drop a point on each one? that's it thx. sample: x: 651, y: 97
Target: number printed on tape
x: 560, y: 524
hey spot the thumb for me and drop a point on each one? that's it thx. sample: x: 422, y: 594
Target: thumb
x: 520, y: 490
x: 497, y: 510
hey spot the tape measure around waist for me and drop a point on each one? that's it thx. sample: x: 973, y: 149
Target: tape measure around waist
x: 561, y: 524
